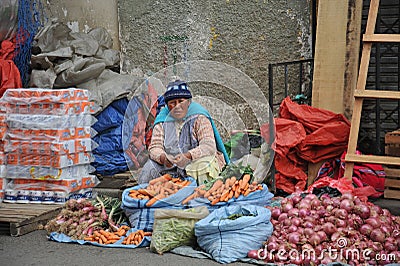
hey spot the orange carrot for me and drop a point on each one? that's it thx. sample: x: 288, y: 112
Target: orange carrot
x: 151, y: 202
x: 147, y: 192
x: 162, y: 179
x: 245, y: 181
x: 237, y: 192
x: 103, y: 238
x: 227, y: 183
x: 147, y: 233
x: 224, y: 195
x: 121, y: 232
x: 184, y: 183
x: 215, y: 201
x: 189, y: 198
x: 170, y: 191
x: 240, y: 183
x: 230, y: 195
x: 125, y: 227
x: 217, y: 184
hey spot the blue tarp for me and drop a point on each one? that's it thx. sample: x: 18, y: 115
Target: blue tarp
x: 109, y: 155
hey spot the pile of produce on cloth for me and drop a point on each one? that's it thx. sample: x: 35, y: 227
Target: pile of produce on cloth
x: 234, y: 181
x: 310, y: 231
x: 159, y: 188
x: 80, y: 218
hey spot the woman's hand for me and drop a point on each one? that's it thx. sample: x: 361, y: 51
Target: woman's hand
x: 165, y: 161
x: 182, y: 160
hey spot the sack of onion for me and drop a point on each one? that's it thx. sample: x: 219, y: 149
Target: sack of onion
x: 331, y: 229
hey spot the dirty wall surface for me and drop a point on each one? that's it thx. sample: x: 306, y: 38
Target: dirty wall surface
x: 247, y: 35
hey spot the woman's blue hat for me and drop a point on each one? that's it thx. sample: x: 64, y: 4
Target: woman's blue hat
x: 177, y: 89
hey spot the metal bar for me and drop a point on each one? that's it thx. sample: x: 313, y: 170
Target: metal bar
x: 300, y: 77
x: 271, y: 86
x: 286, y: 80
x: 292, y: 62
x: 314, y: 25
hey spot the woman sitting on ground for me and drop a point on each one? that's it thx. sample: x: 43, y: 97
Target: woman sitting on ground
x: 185, y: 140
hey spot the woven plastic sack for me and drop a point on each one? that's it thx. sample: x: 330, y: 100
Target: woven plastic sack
x: 142, y: 217
x: 228, y: 240
x: 175, y: 228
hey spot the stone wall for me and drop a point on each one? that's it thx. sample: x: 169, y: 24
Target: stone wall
x: 247, y: 35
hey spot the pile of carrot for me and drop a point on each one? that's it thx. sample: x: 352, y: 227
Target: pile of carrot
x: 224, y: 190
x: 159, y: 188
x: 135, y: 238
x: 106, y: 237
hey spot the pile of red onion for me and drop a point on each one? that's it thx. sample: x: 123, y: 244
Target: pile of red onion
x: 334, y: 229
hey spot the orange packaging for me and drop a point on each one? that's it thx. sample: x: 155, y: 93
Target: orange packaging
x: 81, y: 95
x: 2, y: 145
x: 49, y: 134
x: 46, y: 95
x: 34, y: 184
x: 33, y: 94
x: 82, y: 132
x: 83, y: 145
x: 3, y: 158
x: 12, y: 93
x: 83, y: 157
x: 3, y: 183
x: 69, y: 108
x: 89, y: 182
x: 63, y: 95
x: 3, y: 131
x: 13, y: 158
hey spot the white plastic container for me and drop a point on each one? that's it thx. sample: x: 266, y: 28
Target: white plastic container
x: 23, y: 196
x: 48, y: 197
x: 10, y: 195
x: 36, y: 196
x: 60, y: 197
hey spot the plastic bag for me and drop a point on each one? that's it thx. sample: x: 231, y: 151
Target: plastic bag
x: 228, y: 233
x: 175, y: 228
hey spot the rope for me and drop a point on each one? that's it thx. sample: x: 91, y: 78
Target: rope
x: 30, y: 15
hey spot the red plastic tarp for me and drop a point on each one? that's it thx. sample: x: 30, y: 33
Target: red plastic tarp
x: 9, y: 73
x: 305, y: 134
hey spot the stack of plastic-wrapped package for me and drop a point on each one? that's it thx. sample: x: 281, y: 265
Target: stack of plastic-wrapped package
x: 48, y: 145
x: 3, y: 128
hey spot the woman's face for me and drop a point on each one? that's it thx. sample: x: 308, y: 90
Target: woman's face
x: 178, y: 107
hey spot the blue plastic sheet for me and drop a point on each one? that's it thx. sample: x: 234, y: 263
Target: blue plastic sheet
x: 110, y: 154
